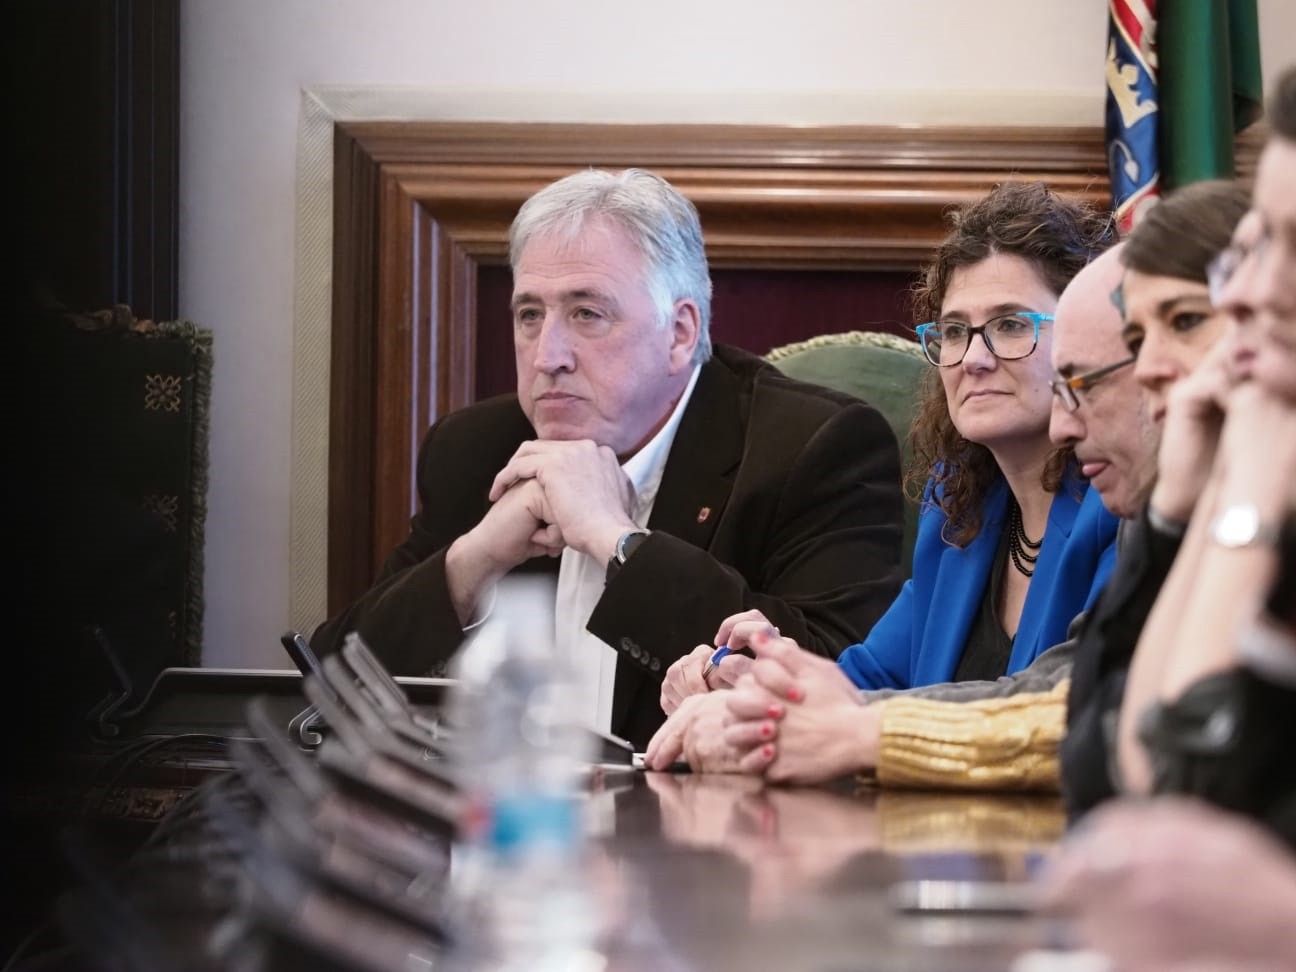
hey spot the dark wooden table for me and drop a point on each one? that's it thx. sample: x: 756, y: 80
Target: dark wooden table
x: 706, y: 872
x: 715, y: 872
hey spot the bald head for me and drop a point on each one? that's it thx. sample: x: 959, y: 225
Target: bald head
x: 1086, y: 334
x: 1113, y: 438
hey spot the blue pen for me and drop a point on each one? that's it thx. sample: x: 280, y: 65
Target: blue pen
x: 716, y: 657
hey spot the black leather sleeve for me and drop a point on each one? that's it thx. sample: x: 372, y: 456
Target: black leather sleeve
x: 1102, y: 660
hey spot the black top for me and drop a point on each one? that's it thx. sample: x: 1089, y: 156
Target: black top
x: 1102, y: 659
x: 989, y: 647
x: 1228, y: 740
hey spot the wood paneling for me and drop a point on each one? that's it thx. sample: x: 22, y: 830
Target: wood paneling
x: 421, y: 207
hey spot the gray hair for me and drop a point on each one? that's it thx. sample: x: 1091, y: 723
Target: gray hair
x: 659, y: 220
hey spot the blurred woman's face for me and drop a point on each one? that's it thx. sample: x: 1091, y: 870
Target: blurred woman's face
x: 1170, y: 325
x: 1275, y: 360
x: 1261, y: 292
x: 995, y: 403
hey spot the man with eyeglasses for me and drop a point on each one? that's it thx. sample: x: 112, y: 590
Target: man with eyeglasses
x: 1098, y: 408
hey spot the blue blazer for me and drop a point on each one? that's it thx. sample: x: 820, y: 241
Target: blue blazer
x: 921, y: 638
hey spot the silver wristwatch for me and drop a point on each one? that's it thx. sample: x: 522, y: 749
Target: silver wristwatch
x: 1239, y: 525
x: 624, y: 548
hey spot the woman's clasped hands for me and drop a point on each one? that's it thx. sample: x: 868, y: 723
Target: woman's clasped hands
x: 791, y: 716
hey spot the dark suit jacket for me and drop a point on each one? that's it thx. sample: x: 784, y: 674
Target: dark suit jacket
x: 1103, y: 656
x: 777, y: 495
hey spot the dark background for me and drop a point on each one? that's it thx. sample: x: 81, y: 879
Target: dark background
x: 91, y: 107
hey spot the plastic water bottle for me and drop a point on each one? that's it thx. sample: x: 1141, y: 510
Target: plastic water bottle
x: 519, y: 869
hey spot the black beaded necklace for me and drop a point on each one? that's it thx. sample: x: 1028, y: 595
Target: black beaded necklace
x: 1022, y: 549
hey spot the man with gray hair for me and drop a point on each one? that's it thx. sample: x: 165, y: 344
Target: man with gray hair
x: 668, y: 484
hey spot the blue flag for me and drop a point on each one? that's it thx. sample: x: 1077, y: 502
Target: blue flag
x: 1132, y: 108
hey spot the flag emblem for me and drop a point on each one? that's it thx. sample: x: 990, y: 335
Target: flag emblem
x: 1132, y: 107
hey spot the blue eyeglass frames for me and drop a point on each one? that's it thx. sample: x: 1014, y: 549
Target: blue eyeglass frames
x: 1008, y: 337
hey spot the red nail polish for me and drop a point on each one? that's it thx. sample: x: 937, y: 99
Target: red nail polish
x: 775, y: 711
x: 795, y: 694
x: 766, y: 730
x: 767, y: 751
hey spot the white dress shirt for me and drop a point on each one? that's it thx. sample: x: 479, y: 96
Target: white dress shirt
x: 581, y: 579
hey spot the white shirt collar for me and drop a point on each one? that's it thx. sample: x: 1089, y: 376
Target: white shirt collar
x: 645, y: 468
x: 581, y: 580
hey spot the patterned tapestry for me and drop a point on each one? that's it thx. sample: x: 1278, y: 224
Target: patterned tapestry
x: 135, y: 404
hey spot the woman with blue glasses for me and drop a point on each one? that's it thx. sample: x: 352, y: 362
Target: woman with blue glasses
x: 1011, y: 543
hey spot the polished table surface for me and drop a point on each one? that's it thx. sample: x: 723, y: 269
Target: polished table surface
x: 718, y: 872
x: 697, y: 871
x: 712, y: 872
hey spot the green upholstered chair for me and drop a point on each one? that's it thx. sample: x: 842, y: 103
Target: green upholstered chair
x: 882, y: 369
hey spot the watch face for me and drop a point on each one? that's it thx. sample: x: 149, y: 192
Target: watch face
x: 1238, y: 525
x: 625, y: 546
x: 630, y: 541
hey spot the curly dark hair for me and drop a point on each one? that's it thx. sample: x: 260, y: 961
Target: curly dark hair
x: 1058, y: 236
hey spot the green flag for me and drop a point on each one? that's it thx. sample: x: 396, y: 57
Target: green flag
x: 1208, y: 62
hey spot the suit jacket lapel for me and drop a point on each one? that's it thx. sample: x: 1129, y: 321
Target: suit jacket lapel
x: 703, y: 459
x: 962, y: 577
x: 695, y: 487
